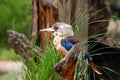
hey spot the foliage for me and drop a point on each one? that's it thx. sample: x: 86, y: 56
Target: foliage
x: 9, y: 76
x: 16, y: 15
x: 43, y: 68
x: 8, y: 54
x: 111, y: 1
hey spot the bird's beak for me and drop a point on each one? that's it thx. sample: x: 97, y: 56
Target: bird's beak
x: 47, y: 30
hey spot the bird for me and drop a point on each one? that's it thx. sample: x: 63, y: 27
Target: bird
x: 64, y: 40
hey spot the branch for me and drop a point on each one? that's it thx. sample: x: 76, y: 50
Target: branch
x: 66, y: 66
x: 22, y: 45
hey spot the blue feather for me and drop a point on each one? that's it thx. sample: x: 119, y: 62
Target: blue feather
x: 87, y: 55
x: 67, y: 45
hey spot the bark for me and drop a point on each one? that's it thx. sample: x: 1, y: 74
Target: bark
x: 22, y: 46
x: 98, y: 10
x: 34, y: 23
x: 44, y: 15
x: 66, y: 66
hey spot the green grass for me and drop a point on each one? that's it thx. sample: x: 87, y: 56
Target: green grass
x: 8, y: 54
x: 43, y: 68
x: 9, y: 76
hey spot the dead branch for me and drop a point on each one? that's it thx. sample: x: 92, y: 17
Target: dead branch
x: 66, y: 66
x: 22, y: 45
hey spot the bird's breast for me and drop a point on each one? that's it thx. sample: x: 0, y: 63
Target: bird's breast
x: 58, y: 46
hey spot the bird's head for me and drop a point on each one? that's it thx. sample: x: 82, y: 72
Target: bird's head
x: 60, y: 29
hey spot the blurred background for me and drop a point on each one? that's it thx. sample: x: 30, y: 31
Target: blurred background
x: 15, y: 15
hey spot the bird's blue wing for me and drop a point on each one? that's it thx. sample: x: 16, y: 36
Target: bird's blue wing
x: 69, y: 42
x: 67, y: 45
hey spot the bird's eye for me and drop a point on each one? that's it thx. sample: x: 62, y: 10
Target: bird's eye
x: 56, y: 28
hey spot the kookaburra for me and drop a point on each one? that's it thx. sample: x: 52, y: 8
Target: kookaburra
x: 64, y: 40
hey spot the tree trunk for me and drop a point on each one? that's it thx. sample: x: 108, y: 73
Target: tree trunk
x: 44, y: 15
x: 46, y: 12
x: 98, y: 12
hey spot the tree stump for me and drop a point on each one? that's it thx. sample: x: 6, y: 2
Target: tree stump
x: 66, y: 66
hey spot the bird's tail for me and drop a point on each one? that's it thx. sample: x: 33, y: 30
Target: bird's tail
x: 92, y: 65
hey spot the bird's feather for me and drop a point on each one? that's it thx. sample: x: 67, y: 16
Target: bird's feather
x: 67, y: 45
x: 69, y: 42
x: 87, y: 55
x: 71, y: 39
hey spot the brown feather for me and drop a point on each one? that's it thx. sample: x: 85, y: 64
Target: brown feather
x: 71, y: 39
